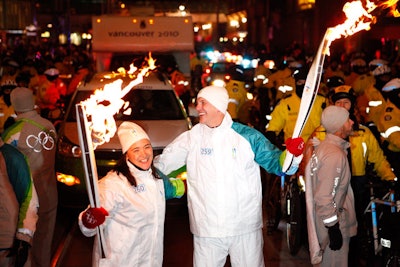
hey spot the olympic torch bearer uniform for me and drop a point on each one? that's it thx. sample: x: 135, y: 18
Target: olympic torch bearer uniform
x: 224, y: 184
x: 36, y: 138
x: 134, y: 229
x: 134, y: 226
x: 18, y: 205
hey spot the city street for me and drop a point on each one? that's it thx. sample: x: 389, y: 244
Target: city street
x: 72, y: 249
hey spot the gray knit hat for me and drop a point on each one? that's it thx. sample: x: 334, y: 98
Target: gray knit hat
x: 22, y: 99
x: 333, y: 118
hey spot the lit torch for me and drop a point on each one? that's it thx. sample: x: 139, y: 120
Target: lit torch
x: 358, y: 18
x: 96, y: 126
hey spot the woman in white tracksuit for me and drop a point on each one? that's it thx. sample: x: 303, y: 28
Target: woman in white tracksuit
x: 132, y: 197
x: 223, y: 160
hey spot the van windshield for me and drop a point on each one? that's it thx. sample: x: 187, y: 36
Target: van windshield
x: 145, y: 105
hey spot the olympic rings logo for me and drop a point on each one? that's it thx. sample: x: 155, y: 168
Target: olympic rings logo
x: 44, y: 140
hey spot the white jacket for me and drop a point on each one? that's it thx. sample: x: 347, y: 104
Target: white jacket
x: 134, y: 229
x: 223, y: 176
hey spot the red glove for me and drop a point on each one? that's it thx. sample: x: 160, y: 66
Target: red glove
x: 93, y: 217
x: 295, y: 146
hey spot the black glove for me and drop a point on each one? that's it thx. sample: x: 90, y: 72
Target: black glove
x: 335, y: 237
x: 20, y: 251
x: 393, y: 184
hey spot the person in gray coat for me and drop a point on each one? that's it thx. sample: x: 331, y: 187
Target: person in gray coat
x: 331, y: 217
x: 36, y: 138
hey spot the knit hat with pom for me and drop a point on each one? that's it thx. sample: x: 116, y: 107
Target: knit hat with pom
x: 129, y: 133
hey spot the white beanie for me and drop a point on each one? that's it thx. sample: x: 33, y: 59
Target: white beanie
x: 333, y: 118
x: 216, y: 95
x: 22, y: 99
x: 129, y: 133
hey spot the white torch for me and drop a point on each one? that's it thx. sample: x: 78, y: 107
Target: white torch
x: 358, y: 18
x: 100, y: 128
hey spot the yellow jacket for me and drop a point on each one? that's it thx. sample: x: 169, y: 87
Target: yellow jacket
x: 237, y: 96
x: 389, y: 126
x: 283, y: 82
x: 364, y: 148
x: 362, y: 82
x: 260, y: 74
x: 284, y: 116
x: 5, y: 112
x: 371, y: 104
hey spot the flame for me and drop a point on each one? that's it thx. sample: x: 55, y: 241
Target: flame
x: 359, y: 17
x: 105, y: 102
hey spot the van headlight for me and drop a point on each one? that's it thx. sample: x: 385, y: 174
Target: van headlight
x: 68, y: 149
x: 66, y: 179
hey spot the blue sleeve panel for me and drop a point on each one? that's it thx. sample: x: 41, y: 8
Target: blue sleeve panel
x: 18, y: 172
x: 266, y: 154
x: 173, y: 189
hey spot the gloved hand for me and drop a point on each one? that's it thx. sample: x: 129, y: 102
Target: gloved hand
x: 393, y: 184
x: 295, y: 145
x: 335, y: 237
x: 180, y: 186
x: 94, y: 217
x: 20, y: 251
x: 295, y: 165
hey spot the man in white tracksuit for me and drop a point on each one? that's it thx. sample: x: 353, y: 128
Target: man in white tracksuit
x: 224, y: 185
x: 331, y: 217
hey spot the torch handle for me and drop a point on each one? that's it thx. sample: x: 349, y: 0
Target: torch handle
x: 89, y: 165
x: 309, y: 94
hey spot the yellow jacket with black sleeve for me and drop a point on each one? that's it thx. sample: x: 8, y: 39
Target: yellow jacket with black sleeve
x: 285, y: 113
x: 389, y: 126
x: 364, y: 149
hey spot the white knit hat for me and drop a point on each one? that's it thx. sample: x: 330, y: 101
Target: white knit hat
x: 333, y: 118
x: 22, y: 99
x: 216, y: 95
x: 129, y: 133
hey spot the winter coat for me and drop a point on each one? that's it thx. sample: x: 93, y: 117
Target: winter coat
x: 19, y: 201
x: 329, y: 196
x: 237, y: 96
x: 285, y: 113
x: 223, y: 176
x: 389, y: 126
x: 364, y: 149
x: 36, y: 138
x: 134, y: 229
x: 5, y: 112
